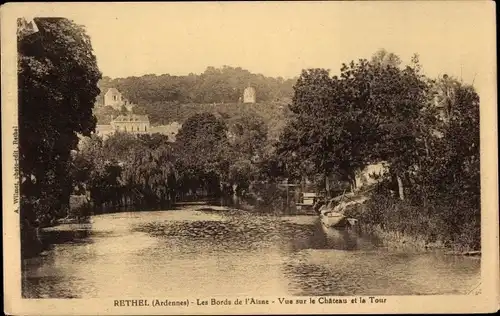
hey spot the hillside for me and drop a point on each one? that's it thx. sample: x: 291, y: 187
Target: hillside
x: 215, y: 85
x: 167, y: 99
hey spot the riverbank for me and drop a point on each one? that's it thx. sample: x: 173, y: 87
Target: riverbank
x: 391, y: 239
x: 397, y: 241
x: 401, y: 226
x: 396, y: 226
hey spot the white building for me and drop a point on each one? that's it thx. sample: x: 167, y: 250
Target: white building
x: 371, y: 174
x: 116, y: 100
x: 249, y: 95
x: 132, y: 123
x: 137, y: 124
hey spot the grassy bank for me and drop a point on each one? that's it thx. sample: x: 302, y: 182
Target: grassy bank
x: 400, y: 225
x: 450, y: 226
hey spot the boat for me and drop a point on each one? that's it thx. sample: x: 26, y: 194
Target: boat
x: 331, y: 219
x: 332, y: 213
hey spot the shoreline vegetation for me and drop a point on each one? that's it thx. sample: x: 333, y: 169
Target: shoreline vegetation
x: 395, y: 239
x: 400, y: 225
x: 316, y: 130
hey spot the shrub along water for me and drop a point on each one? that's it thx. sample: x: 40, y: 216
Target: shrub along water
x: 400, y: 224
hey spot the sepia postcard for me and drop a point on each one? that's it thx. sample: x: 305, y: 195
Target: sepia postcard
x: 316, y: 157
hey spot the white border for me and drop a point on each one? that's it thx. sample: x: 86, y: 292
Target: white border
x: 487, y: 301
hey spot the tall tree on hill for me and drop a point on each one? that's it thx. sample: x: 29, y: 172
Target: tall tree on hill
x: 57, y: 76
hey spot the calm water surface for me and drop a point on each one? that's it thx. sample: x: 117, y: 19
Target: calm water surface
x: 191, y: 252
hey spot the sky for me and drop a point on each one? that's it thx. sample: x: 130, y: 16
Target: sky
x: 281, y: 39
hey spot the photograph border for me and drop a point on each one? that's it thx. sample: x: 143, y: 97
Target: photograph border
x: 486, y: 301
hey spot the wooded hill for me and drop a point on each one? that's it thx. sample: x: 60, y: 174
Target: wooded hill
x: 167, y: 98
x: 215, y: 85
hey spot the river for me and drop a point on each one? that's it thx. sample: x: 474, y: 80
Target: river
x: 207, y: 251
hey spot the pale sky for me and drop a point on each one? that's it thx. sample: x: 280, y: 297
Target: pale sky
x: 280, y: 39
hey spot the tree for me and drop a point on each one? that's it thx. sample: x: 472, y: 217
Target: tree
x: 149, y: 175
x: 248, y: 138
x: 127, y: 170
x: 120, y: 145
x: 105, y: 114
x: 397, y: 101
x: 453, y: 169
x: 384, y: 58
x: 371, y: 113
x: 57, y: 87
x: 204, y: 150
x: 248, y: 133
x: 323, y: 136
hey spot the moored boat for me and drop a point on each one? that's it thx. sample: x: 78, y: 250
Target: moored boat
x: 329, y: 214
x: 332, y: 213
x: 331, y: 219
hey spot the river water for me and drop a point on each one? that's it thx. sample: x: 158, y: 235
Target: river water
x: 209, y: 252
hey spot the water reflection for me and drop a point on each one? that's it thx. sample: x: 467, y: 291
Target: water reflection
x: 215, y: 252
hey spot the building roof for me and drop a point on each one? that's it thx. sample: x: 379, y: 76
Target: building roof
x: 113, y: 91
x: 131, y: 118
x: 170, y: 129
x: 103, y: 128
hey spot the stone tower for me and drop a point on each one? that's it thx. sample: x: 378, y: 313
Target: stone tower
x: 249, y: 95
